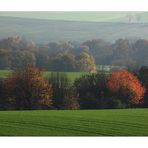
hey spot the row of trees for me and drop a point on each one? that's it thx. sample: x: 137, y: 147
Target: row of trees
x: 121, y: 89
x: 73, y: 56
x: 17, y: 53
x: 26, y: 88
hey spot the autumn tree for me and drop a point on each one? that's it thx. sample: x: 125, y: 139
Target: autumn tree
x: 123, y: 52
x: 86, y: 62
x: 63, y: 62
x: 126, y: 87
x: 17, y: 43
x: 27, y: 89
x: 4, y: 59
x: 100, y: 49
x: 141, y: 52
x: 20, y: 59
x: 42, y: 58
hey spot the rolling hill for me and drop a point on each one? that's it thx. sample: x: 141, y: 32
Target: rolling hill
x: 90, y: 16
x: 80, y: 27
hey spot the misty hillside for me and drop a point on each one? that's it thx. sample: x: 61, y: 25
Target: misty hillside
x: 91, y: 16
x: 43, y: 31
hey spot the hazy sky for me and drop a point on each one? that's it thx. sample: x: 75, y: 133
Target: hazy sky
x: 78, y: 16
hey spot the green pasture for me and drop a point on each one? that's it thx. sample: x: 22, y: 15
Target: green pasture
x: 71, y: 75
x: 4, y: 73
x: 117, y: 122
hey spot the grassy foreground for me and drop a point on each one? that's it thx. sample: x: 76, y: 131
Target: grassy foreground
x: 124, y: 122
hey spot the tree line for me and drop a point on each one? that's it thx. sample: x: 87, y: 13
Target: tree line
x: 26, y: 88
x: 17, y: 52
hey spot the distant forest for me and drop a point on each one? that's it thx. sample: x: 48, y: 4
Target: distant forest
x: 17, y: 52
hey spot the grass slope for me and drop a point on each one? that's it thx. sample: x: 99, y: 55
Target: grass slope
x: 125, y: 122
x: 44, y: 31
x: 71, y: 75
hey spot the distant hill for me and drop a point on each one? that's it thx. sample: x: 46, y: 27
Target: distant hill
x: 91, y: 16
x: 44, y: 30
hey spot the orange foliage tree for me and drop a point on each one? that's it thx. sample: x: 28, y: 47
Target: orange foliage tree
x: 27, y: 89
x: 126, y: 86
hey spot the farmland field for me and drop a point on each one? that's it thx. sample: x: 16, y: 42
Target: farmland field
x: 118, y: 122
x: 72, y: 26
x: 71, y: 75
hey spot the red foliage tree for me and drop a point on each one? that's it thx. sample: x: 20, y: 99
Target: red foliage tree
x: 126, y: 86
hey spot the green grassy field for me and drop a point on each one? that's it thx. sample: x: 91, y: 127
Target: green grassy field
x: 124, y: 122
x: 71, y: 75
x: 4, y: 73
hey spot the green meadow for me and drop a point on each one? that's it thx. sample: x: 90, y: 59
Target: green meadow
x: 71, y: 75
x: 117, y: 122
x: 4, y: 73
